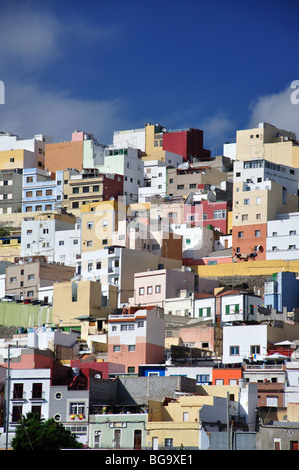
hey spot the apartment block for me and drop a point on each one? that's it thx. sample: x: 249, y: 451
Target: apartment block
x: 10, y: 191
x: 73, y: 299
x: 24, y: 279
x: 127, y: 162
x: 89, y: 186
x: 117, y: 265
x: 283, y: 237
x: 18, y: 153
x: 136, y: 337
x: 257, y: 198
x: 83, y: 151
x: 184, y: 180
x: 268, y: 142
x: 42, y: 190
x: 55, y: 236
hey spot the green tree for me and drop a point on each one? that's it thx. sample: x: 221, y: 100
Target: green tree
x: 37, y: 434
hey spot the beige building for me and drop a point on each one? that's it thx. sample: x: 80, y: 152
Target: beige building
x: 99, y: 224
x: 89, y: 186
x: 75, y: 299
x: 268, y: 142
x: 25, y: 279
x: 181, y: 182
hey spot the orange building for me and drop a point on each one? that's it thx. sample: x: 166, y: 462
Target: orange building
x: 64, y: 155
x: 226, y: 376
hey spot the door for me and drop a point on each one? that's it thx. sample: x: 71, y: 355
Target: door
x: 117, y: 438
x: 137, y: 439
x: 155, y: 443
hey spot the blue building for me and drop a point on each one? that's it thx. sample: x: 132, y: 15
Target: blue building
x: 282, y: 291
x: 42, y: 190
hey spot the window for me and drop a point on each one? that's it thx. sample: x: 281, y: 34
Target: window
x: 49, y: 192
x: 244, y: 217
x: 85, y: 189
x: 105, y: 241
x: 89, y: 267
x: 234, y: 308
x: 116, y: 348
x: 114, y: 328
x: 185, y: 416
x: 204, y: 312
x: 257, y: 233
x: 96, y: 188
x: 30, y: 293
x: 234, y: 350
x: 246, y: 202
x: 258, y: 216
x: 61, y: 242
x: 77, y: 408
x: 75, y: 205
x: 75, y: 242
x: 149, y: 290
x: 255, y: 349
x: 98, y: 265
x: 258, y: 200
x: 37, y: 390
x: 158, y: 289
x: 140, y: 324
x: 141, y: 290
x: 30, y: 277
x: 89, y: 225
x: 131, y: 347
x: 168, y: 442
x: 18, y: 390
x: 89, y: 243
x: 16, y: 413
x: 28, y: 193
x: 240, y: 234
x: 75, y: 190
x: 292, y: 232
x: 131, y: 370
x: 12, y: 280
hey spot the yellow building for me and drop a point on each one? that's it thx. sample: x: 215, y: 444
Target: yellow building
x: 100, y: 222
x: 74, y: 299
x: 250, y: 268
x: 178, y: 422
x: 268, y: 142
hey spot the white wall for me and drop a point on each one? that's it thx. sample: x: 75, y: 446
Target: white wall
x: 243, y: 336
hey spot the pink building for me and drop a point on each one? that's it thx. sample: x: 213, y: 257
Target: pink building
x: 154, y: 287
x: 136, y: 337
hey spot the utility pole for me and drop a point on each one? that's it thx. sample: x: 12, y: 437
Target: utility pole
x: 227, y: 419
x: 7, y: 398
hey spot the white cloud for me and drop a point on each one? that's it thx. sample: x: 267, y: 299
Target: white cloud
x: 28, y: 110
x: 217, y: 129
x: 276, y: 109
x: 29, y: 39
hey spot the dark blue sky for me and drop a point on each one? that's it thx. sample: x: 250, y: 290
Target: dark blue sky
x: 102, y: 66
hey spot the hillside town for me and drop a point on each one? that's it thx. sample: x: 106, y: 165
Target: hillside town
x: 150, y: 288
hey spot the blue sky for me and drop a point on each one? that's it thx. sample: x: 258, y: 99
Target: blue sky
x: 102, y: 66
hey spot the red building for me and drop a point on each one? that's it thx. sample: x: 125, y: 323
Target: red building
x: 206, y: 213
x: 188, y: 143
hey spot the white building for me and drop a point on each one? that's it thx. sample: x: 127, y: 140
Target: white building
x: 242, y: 342
x: 134, y: 138
x: 255, y: 172
x: 283, y: 237
x: 197, y: 242
x: 10, y: 141
x: 54, y: 237
x: 239, y: 306
x: 205, y: 307
x: 125, y: 161
x: 29, y: 391
x: 154, y: 181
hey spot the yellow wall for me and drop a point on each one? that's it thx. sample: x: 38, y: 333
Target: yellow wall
x: 88, y: 302
x: 6, y: 155
x: 250, y: 268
